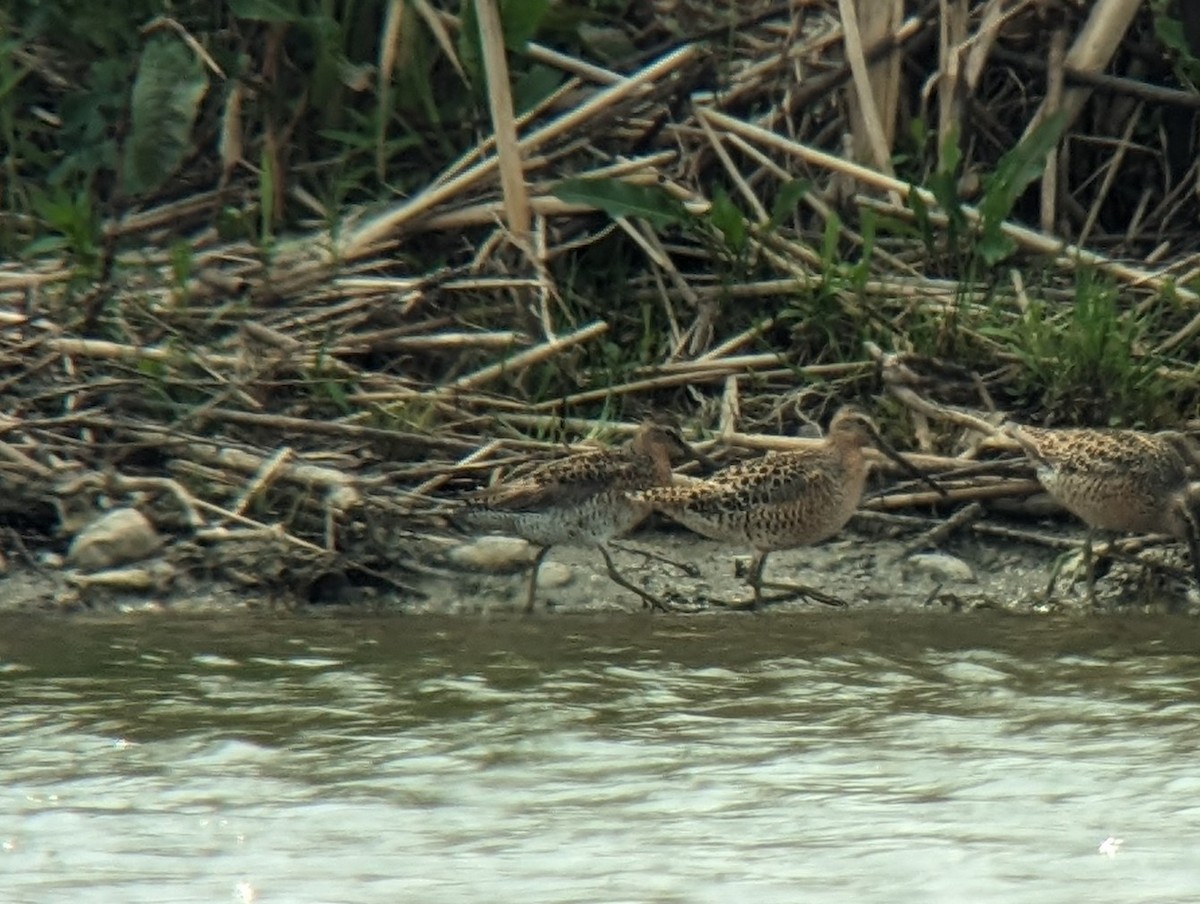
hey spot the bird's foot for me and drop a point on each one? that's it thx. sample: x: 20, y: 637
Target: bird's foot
x: 657, y: 604
x: 790, y: 592
x: 677, y: 602
x: 740, y: 605
x: 801, y: 591
x: 1072, y: 567
x: 687, y: 568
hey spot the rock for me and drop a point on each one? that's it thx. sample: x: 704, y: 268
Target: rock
x: 940, y: 567
x: 965, y: 672
x: 157, y: 576
x: 495, y: 554
x: 554, y: 574
x: 116, y: 538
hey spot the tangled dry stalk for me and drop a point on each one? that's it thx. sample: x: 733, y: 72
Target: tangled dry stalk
x: 308, y: 408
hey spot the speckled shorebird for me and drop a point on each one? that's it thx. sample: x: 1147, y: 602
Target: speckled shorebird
x: 581, y: 500
x: 781, y: 501
x: 1118, y: 480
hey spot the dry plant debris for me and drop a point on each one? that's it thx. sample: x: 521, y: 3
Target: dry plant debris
x: 317, y: 404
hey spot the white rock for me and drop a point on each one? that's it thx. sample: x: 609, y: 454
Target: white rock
x: 116, y: 538
x: 941, y: 567
x: 498, y: 554
x: 554, y: 574
x: 156, y: 576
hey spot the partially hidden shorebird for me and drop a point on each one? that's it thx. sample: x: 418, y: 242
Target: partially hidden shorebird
x: 583, y: 499
x: 782, y: 500
x: 1118, y: 480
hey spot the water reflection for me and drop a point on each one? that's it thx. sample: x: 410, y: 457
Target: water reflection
x: 834, y: 758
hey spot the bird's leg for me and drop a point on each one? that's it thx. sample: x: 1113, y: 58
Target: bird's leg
x: 686, y: 567
x: 1193, y: 541
x: 754, y: 579
x: 1089, y: 565
x: 648, y: 598
x: 1087, y: 553
x: 1054, y: 573
x: 533, y: 575
x: 790, y: 591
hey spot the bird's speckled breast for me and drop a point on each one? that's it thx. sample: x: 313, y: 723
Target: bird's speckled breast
x: 1110, y: 502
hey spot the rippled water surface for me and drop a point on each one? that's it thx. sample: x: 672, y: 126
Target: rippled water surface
x: 753, y: 759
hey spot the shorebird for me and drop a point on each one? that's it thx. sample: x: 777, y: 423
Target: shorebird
x: 581, y: 500
x: 781, y: 501
x: 1118, y: 480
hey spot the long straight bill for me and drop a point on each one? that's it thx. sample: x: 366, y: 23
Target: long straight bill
x: 906, y: 465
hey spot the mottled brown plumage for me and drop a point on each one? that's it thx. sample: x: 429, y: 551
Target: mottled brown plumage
x: 780, y: 501
x: 581, y: 500
x: 1118, y: 480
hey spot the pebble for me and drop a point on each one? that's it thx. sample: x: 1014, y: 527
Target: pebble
x: 554, y: 574
x: 974, y: 673
x: 116, y: 538
x: 495, y: 554
x: 940, y: 567
x: 157, y: 576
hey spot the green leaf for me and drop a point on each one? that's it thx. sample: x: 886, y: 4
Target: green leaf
x: 266, y: 193
x: 787, y: 200
x: 610, y: 43
x: 470, y: 49
x: 624, y: 199
x: 1018, y: 167
x: 829, y: 242
x: 335, y: 392
x: 152, y: 367
x: 520, y: 20
x: 920, y: 210
x: 994, y: 246
x: 918, y: 134
x: 167, y: 92
x: 1001, y: 188
x: 266, y: 10
x: 535, y: 86
x: 1170, y: 32
x: 944, y: 188
x: 47, y: 244
x: 867, y: 225
x: 729, y: 220
x: 181, y: 263
x: 951, y: 153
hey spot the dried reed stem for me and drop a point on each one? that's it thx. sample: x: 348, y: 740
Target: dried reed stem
x: 1064, y: 254
x: 532, y: 356
x: 359, y: 241
x: 508, y: 153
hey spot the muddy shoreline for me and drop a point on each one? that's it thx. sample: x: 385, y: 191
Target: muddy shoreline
x: 870, y: 567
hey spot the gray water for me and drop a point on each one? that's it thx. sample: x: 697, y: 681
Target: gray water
x: 849, y: 758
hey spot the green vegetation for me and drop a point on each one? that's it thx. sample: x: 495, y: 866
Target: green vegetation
x: 277, y: 126
x: 116, y: 105
x: 1083, y: 360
